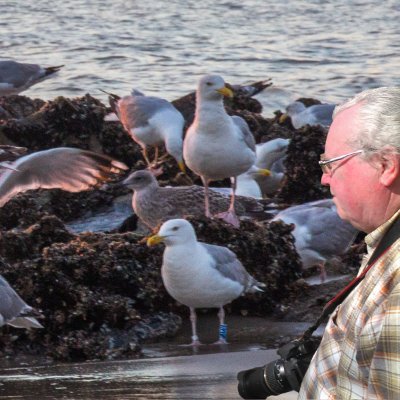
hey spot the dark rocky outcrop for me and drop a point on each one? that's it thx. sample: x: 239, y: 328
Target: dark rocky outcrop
x: 101, y: 294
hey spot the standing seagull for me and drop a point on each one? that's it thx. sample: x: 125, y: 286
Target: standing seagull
x: 151, y: 122
x: 320, y: 234
x: 63, y: 168
x: 317, y: 114
x: 154, y: 204
x: 13, y: 310
x: 16, y: 77
x: 201, y: 275
x: 217, y: 146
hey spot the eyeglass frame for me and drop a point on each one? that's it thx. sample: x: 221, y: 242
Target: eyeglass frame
x: 324, y: 164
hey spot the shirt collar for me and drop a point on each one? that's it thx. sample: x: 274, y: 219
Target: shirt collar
x: 373, y: 238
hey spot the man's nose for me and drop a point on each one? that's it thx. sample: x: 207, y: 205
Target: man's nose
x: 325, y: 179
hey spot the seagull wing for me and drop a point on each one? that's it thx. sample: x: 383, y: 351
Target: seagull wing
x: 11, y: 305
x: 64, y: 168
x: 244, y: 131
x: 230, y: 267
x: 322, y: 113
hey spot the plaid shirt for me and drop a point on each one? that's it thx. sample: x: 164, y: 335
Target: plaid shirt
x: 359, y: 355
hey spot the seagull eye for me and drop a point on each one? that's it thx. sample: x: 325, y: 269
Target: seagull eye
x: 175, y: 228
x: 208, y: 83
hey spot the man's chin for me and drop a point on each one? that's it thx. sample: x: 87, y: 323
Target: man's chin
x: 340, y: 212
x: 345, y: 217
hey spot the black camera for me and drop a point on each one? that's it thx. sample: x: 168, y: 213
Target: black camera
x: 279, y: 376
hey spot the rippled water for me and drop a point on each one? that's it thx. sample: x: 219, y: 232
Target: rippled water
x: 315, y: 48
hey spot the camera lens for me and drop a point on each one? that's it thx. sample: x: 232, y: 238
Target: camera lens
x: 279, y: 376
x: 259, y: 383
x: 275, y: 378
x: 251, y: 384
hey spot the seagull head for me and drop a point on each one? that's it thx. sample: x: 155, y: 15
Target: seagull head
x: 294, y: 108
x: 173, y: 232
x: 213, y: 87
x: 140, y: 180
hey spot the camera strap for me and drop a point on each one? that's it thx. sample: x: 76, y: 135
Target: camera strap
x: 391, y: 235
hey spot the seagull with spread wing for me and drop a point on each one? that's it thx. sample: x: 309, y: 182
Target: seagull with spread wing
x: 63, y: 168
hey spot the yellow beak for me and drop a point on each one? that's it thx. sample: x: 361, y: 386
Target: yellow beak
x: 155, y: 239
x: 182, y: 167
x: 264, y: 172
x: 283, y: 118
x: 225, y: 92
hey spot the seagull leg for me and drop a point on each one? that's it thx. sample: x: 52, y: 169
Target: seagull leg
x: 152, y: 166
x: 223, y: 329
x: 322, y: 271
x: 145, y: 156
x: 193, y: 320
x: 230, y: 215
x: 155, y: 156
x: 206, y: 198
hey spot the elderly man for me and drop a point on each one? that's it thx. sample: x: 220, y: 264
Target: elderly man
x: 359, y: 355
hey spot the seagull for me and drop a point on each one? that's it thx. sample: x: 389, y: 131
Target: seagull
x: 150, y: 121
x: 217, y: 146
x: 319, y: 232
x: 14, y: 311
x: 246, y: 184
x: 251, y: 89
x: 154, y: 204
x: 317, y: 114
x: 63, y: 168
x: 201, y: 275
x: 16, y: 77
x: 271, y: 155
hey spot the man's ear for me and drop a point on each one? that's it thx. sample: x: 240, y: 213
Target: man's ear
x: 390, y: 164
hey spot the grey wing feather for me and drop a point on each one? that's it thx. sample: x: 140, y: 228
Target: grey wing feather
x: 245, y: 130
x: 230, y: 267
x: 182, y: 201
x: 64, y: 168
x: 11, y: 305
x: 18, y: 74
x: 190, y: 199
x: 164, y: 203
x: 323, y: 113
x: 333, y: 236
x: 135, y: 111
x: 328, y: 233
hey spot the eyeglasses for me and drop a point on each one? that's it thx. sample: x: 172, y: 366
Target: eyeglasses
x: 326, y: 164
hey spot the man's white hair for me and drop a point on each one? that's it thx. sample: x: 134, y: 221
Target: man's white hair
x: 379, y: 119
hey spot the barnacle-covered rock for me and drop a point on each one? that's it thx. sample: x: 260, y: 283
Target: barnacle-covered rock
x: 94, y: 287
x: 18, y: 106
x: 101, y: 294
x: 303, y: 174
